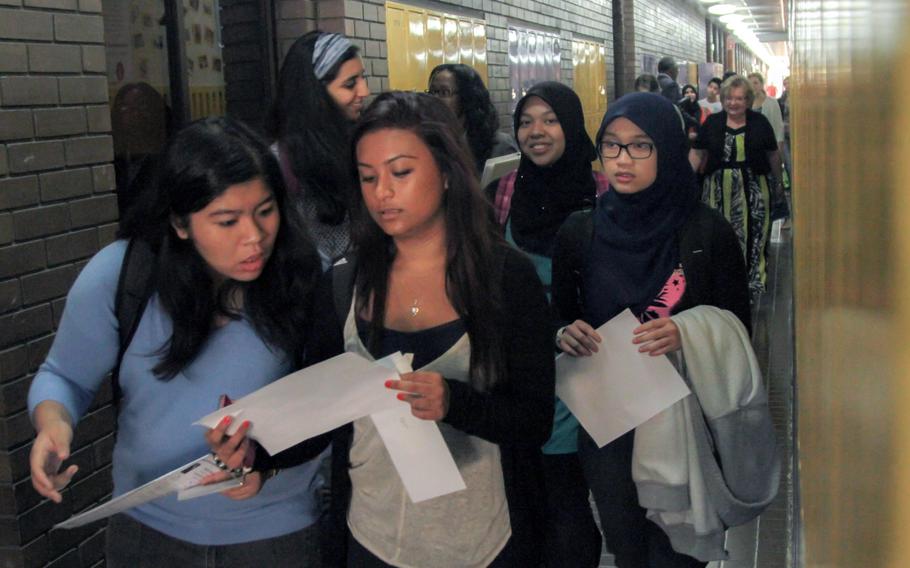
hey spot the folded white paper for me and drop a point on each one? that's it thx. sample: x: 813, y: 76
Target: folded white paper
x: 311, y: 401
x: 617, y: 388
x: 181, y: 480
x: 418, y: 451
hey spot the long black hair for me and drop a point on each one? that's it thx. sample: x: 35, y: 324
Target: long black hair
x: 480, y: 119
x: 201, y: 162
x: 472, y: 241
x: 314, y: 132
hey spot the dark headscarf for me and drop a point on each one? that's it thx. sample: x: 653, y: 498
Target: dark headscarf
x: 691, y: 109
x: 635, y: 247
x: 544, y: 197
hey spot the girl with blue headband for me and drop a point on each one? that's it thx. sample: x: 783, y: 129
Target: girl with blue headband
x: 322, y: 89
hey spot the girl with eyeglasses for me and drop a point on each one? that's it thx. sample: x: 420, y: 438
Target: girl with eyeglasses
x: 460, y: 87
x: 322, y: 89
x: 652, y: 247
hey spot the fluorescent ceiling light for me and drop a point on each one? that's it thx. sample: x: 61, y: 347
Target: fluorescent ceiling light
x: 711, y: 1
x: 722, y: 9
x: 731, y: 18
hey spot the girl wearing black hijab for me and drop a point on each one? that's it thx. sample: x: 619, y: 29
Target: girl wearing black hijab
x: 690, y: 109
x: 553, y: 180
x: 651, y: 246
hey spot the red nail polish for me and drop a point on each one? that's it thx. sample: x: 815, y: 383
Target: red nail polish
x: 246, y: 424
x: 401, y: 396
x: 388, y: 384
x: 225, y: 421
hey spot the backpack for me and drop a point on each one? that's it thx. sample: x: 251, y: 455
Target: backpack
x: 343, y: 273
x: 134, y: 288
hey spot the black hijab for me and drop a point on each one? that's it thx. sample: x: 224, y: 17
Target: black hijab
x: 544, y: 197
x: 635, y: 246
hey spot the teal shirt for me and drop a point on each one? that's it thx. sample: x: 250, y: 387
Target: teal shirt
x: 564, y: 438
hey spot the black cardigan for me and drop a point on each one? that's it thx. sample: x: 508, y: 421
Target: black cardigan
x: 709, y: 251
x: 517, y: 414
x: 760, y: 140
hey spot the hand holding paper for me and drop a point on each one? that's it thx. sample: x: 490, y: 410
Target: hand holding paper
x: 416, y: 446
x: 310, y: 402
x: 427, y: 393
x: 185, y: 481
x: 617, y: 388
x: 657, y: 337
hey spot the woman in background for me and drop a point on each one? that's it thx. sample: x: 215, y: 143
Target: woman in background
x: 553, y: 180
x: 691, y: 111
x: 737, y: 151
x: 646, y: 83
x: 460, y: 87
x: 321, y: 91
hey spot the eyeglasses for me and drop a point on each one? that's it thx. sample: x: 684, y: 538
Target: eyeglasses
x: 441, y: 93
x: 635, y: 150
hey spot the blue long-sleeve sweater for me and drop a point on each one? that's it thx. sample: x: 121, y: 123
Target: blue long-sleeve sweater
x: 155, y: 422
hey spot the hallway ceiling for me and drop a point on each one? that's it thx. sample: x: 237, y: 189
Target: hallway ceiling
x: 766, y: 19
x: 770, y: 17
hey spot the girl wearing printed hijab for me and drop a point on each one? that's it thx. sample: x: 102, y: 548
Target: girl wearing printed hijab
x: 652, y: 247
x: 554, y: 179
x: 321, y: 92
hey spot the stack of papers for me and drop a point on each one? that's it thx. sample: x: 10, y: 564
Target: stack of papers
x: 303, y: 405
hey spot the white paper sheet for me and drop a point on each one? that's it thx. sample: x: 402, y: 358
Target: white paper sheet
x: 617, y: 388
x: 203, y: 490
x: 311, y: 401
x: 183, y: 478
x: 418, y: 451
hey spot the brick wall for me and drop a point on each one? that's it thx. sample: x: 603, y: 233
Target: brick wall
x: 669, y: 27
x: 364, y: 23
x: 249, y: 60
x: 57, y: 208
x: 293, y: 18
x: 659, y: 28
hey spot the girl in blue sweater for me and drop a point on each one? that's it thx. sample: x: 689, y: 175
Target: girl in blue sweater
x: 232, y: 285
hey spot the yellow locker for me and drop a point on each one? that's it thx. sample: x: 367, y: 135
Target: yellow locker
x: 397, y: 38
x: 420, y: 39
x: 590, y: 71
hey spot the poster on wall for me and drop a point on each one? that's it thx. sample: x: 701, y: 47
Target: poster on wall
x: 135, y: 43
x: 705, y: 72
x: 203, y: 44
x: 649, y: 64
x: 534, y: 56
x: 682, y: 76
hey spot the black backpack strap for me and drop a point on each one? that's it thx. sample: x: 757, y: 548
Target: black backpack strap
x: 134, y: 288
x: 343, y: 273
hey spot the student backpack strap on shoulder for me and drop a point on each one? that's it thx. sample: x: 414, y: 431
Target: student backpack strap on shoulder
x: 343, y: 273
x: 134, y: 288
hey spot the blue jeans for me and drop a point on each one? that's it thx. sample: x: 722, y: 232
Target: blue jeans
x: 130, y: 544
